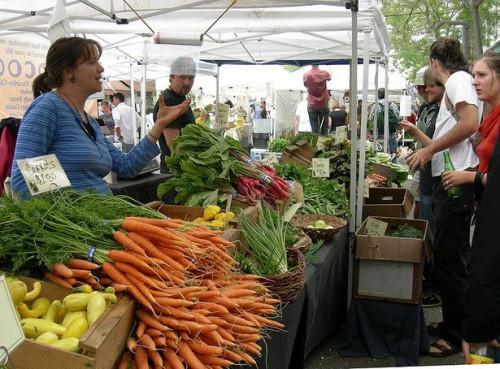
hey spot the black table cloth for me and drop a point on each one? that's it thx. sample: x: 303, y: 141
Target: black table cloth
x: 379, y: 329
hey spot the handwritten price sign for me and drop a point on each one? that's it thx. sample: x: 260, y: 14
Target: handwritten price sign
x: 43, y: 174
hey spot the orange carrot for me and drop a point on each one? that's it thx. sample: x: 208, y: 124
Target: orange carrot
x: 160, y: 341
x: 214, y: 360
x: 170, y: 302
x: 127, y: 243
x: 156, y: 358
x: 125, y: 257
x: 131, y: 344
x: 154, y: 332
x: 142, y: 287
x: 119, y: 277
x: 150, y: 321
x: 119, y: 287
x: 141, y: 358
x: 200, y: 347
x: 233, y: 356
x: 134, y: 226
x: 147, y: 341
x: 141, y: 328
x: 57, y: 280
x: 81, y: 273
x: 62, y: 270
x: 82, y: 264
x: 152, y: 250
x: 125, y: 360
x: 191, y: 359
x: 72, y: 281
x: 172, y: 358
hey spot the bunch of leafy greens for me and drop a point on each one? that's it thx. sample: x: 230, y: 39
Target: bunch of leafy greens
x: 293, y: 172
x: 54, y: 227
x: 311, y: 138
x: 407, y: 231
x: 278, y: 145
x: 202, y: 165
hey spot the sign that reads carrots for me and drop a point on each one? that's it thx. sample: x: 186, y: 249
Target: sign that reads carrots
x: 21, y: 60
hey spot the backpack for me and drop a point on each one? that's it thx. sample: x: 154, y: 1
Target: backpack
x: 393, y: 119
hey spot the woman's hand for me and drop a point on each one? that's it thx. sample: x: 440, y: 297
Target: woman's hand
x: 167, y: 114
x: 409, y: 127
x: 456, y: 178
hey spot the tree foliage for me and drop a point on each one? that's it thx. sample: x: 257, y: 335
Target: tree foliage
x: 415, y: 24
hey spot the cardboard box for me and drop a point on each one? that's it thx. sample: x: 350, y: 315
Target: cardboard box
x: 101, y: 345
x: 389, y: 268
x: 301, y: 153
x: 388, y: 202
x: 187, y: 213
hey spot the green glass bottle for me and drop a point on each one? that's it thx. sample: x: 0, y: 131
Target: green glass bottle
x: 453, y: 192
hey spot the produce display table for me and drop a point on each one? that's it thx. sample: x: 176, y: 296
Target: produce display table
x: 316, y: 313
x: 142, y: 188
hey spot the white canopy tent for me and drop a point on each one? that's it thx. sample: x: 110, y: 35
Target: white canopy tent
x: 251, y: 31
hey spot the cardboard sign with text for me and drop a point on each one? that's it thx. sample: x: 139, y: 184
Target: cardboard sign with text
x: 43, y: 174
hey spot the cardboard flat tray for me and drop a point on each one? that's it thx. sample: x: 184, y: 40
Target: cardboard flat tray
x: 101, y: 345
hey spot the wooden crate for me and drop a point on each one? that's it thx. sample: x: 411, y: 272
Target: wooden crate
x: 101, y: 345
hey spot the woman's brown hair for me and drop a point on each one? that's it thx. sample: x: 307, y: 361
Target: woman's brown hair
x: 447, y: 50
x: 65, y: 53
x: 492, y: 60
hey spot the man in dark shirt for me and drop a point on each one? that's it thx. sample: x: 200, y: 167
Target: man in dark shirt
x: 182, y: 73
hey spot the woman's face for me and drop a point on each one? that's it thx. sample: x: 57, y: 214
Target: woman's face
x: 486, y: 81
x: 87, y: 74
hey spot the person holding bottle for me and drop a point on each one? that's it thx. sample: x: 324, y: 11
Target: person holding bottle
x: 457, y: 121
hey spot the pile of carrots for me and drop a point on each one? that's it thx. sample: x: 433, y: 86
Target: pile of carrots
x: 196, y: 311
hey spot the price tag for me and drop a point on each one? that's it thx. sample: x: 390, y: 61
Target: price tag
x: 43, y: 174
x: 375, y: 227
x: 222, y: 114
x: 340, y: 134
x: 321, y: 167
x: 11, y: 334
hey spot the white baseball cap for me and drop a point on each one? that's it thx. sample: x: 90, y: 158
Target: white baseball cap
x: 419, y: 77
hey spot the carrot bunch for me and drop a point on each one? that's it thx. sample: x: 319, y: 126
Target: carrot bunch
x: 196, y: 310
x: 76, y: 271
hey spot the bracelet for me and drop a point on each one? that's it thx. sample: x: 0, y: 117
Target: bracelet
x: 153, y: 136
x: 478, y: 179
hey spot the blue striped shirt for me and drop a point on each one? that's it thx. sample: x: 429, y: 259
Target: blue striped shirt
x: 51, y: 126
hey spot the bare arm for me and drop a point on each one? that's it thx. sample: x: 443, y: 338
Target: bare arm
x: 296, y: 124
x: 170, y: 134
x: 467, y: 124
x: 415, y: 132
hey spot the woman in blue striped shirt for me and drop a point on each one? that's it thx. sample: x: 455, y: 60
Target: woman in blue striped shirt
x: 56, y: 123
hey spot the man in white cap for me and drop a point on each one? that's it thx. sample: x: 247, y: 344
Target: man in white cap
x: 182, y: 73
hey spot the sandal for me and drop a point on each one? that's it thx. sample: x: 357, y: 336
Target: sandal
x: 444, y: 347
x: 435, y: 329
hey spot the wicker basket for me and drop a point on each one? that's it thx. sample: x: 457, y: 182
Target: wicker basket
x: 287, y: 286
x: 302, y: 243
x: 303, y: 220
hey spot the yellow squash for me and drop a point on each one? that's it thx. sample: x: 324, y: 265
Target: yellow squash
x: 72, y: 315
x: 77, y: 328
x: 53, y: 311
x: 95, y: 307
x: 33, y: 294
x: 38, y: 309
x: 76, y: 301
x: 33, y: 328
x: 17, y: 290
x: 68, y: 344
x: 47, y: 338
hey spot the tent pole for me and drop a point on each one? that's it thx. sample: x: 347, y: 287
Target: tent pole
x: 354, y: 141
x: 364, y: 119
x: 386, y: 107
x: 217, y: 86
x: 353, y: 111
x: 143, y: 93
x: 375, y: 115
x: 132, y: 102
